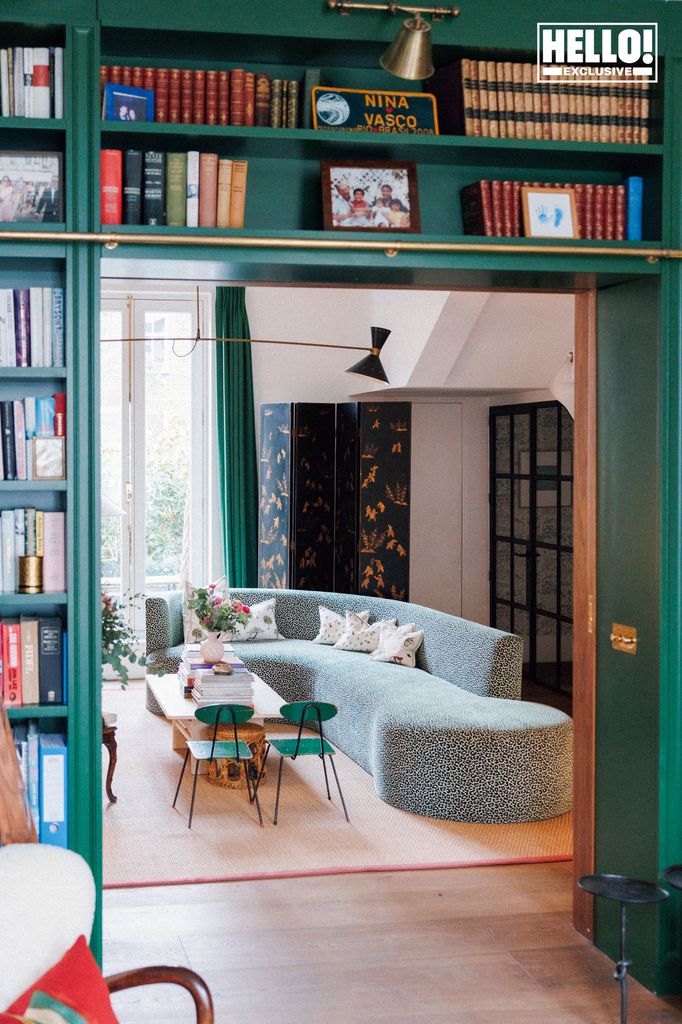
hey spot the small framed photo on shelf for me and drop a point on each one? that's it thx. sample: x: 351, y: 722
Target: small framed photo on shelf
x: 49, y: 458
x: 127, y: 103
x: 30, y: 187
x: 549, y: 212
x: 370, y: 195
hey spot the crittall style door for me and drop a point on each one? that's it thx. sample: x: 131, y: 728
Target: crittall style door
x: 531, y: 535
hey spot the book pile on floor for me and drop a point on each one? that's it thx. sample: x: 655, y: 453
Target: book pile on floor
x: 233, y: 97
x: 32, y: 81
x: 498, y: 99
x: 612, y: 212
x: 173, y: 189
x: 31, y: 326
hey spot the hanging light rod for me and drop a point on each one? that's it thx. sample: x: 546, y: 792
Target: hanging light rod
x: 437, y: 13
x: 244, y: 341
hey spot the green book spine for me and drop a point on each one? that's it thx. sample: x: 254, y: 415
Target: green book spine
x: 311, y: 78
x: 176, y: 189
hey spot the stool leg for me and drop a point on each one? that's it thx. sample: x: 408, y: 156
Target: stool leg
x: 182, y: 773
x: 621, y: 972
x: 279, y: 783
x: 326, y: 778
x: 336, y: 776
x: 194, y: 790
x: 112, y: 748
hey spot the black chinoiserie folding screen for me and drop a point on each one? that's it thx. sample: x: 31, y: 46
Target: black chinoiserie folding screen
x: 335, y: 497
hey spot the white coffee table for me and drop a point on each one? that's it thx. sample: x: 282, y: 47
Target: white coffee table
x: 180, y: 710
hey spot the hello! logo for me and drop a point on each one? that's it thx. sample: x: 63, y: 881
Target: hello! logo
x: 597, y: 50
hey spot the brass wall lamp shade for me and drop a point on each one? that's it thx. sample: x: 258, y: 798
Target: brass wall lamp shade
x: 371, y: 366
x: 409, y: 55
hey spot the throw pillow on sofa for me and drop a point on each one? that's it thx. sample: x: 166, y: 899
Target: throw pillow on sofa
x: 399, y: 645
x: 359, y: 636
x: 333, y: 625
x: 262, y: 625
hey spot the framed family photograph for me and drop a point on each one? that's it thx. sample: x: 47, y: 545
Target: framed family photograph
x: 31, y: 187
x: 127, y: 103
x: 370, y: 196
x: 549, y: 212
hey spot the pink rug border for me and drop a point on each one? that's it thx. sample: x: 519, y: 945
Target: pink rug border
x: 265, y: 876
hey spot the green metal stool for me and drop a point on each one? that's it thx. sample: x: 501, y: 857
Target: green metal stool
x: 207, y: 750
x: 298, y: 713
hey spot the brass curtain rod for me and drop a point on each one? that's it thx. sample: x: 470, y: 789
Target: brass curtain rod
x: 112, y: 240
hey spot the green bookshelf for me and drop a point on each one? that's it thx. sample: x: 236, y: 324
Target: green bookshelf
x: 39, y: 711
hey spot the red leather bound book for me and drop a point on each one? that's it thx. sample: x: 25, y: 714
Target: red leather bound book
x: 588, y: 220
x: 137, y: 77
x: 620, y: 212
x: 477, y: 211
x: 516, y: 209
x: 115, y: 74
x: 208, y: 189
x: 262, y: 114
x: 507, y: 209
x: 161, y: 90
x: 174, y: 96
x: 599, y: 211
x: 149, y: 79
x: 126, y: 76
x: 610, y: 212
x: 111, y: 186
x: 186, y: 96
x: 249, y: 99
x: 579, y: 190
x: 199, y: 97
x: 103, y: 78
x: 498, y: 213
x: 237, y: 96
x: 60, y: 414
x: 211, y: 97
x: 223, y: 97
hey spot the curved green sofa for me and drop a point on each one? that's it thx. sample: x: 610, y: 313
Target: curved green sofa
x: 449, y: 739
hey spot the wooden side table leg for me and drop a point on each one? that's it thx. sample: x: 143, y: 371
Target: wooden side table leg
x: 109, y: 741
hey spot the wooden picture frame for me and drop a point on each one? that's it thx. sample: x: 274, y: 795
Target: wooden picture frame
x: 27, y: 193
x: 49, y: 458
x: 549, y: 212
x: 354, y: 194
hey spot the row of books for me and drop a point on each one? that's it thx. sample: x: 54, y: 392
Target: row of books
x: 176, y: 189
x: 30, y: 531
x: 21, y: 421
x: 236, y: 97
x: 32, y: 81
x: 31, y: 326
x: 499, y: 99
x: 230, y: 682
x: 614, y: 212
x: 33, y: 661
x: 43, y: 762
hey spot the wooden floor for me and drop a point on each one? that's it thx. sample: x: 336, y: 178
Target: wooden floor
x: 467, y: 946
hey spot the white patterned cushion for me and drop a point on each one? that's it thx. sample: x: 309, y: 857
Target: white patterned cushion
x: 262, y: 625
x: 399, y: 645
x: 358, y: 636
x: 333, y: 625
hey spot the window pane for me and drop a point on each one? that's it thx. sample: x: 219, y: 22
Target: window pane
x: 168, y: 424
x: 111, y: 425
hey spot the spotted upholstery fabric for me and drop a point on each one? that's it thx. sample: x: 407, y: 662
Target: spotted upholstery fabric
x: 432, y: 737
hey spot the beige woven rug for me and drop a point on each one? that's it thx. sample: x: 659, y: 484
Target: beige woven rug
x: 146, y: 841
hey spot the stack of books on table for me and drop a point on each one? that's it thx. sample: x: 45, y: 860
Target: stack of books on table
x: 212, y: 688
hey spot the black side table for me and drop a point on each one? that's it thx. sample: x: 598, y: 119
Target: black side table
x: 624, y: 890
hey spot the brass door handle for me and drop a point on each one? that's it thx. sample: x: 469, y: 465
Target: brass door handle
x: 623, y: 638
x: 619, y: 638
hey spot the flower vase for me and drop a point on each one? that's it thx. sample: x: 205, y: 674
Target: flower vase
x: 212, y: 649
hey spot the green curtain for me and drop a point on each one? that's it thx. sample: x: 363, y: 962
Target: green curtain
x: 237, y: 458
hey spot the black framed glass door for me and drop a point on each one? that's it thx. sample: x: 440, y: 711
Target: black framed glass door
x: 531, y: 535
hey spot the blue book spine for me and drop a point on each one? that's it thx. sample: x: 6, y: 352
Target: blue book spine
x: 58, y: 327
x: 44, y: 417
x: 33, y: 773
x: 53, y: 789
x: 635, y: 189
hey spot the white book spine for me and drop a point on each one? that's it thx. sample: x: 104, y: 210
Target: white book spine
x: 4, y: 328
x: 19, y: 532
x: 9, y: 562
x: 4, y: 83
x: 192, y: 210
x: 30, y: 415
x: 47, y: 328
x: 19, y: 109
x: 58, y: 81
x: 40, y: 87
x: 11, y: 330
x: 28, y: 81
x: 29, y: 459
x: 35, y: 296
x: 20, y: 438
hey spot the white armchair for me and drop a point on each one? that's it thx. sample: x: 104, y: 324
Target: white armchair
x: 47, y: 899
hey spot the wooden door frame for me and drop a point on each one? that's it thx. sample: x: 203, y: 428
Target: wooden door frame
x: 584, y: 604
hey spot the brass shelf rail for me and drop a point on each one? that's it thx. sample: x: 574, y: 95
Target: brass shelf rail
x: 112, y: 240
